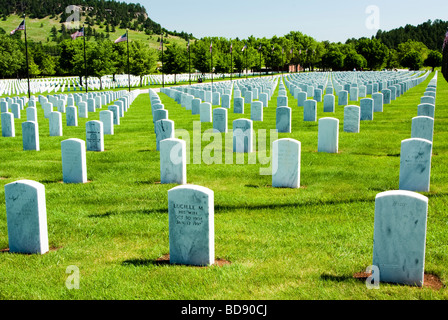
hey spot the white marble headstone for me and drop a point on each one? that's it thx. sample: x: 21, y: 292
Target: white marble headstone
x: 191, y: 225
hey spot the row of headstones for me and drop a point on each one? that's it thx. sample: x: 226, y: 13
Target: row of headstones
x: 416, y: 152
x: 399, y: 239
x: 94, y: 129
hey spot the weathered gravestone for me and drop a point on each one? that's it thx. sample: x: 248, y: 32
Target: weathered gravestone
x: 31, y: 114
x: 256, y: 111
x: 283, y: 119
x: 343, y: 98
x: 366, y: 106
x: 422, y: 127
x: 26, y: 217
x: 282, y: 101
x: 220, y: 120
x: 95, y: 136
x: 191, y: 225
x: 116, y: 113
x: 48, y: 108
x: 55, y: 124
x: 286, y: 163
x: 15, y: 110
x: 74, y: 166
x: 426, y: 109
x: 242, y: 136
x: 377, y: 102
x: 164, y: 130
x: 8, y: 128
x: 264, y: 99
x: 107, y: 118
x: 225, y: 101
x: 399, y: 239
x: 328, y: 135
x: 195, y: 106
x: 173, y: 161
x: 310, y: 110
x: 386, y: 96
x: 329, y: 101
x: 301, y: 98
x: 72, y: 116
x: 30, y: 136
x: 83, y: 111
x: 238, y: 105
x: 205, y: 110
x: 415, y: 164
x: 352, y: 116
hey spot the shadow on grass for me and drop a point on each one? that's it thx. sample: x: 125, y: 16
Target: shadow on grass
x: 115, y: 213
x: 165, y: 260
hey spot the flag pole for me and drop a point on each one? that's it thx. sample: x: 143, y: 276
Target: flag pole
x: 163, y: 75
x: 27, y: 65
x: 246, y: 61
x: 189, y: 63
x: 211, y: 63
x: 231, y: 62
x: 85, y: 56
x: 129, y: 75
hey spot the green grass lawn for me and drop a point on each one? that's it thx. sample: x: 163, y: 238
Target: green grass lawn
x: 284, y: 244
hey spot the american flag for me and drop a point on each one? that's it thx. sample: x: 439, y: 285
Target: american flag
x: 259, y: 48
x: 211, y: 47
x: 79, y: 33
x: 244, y: 48
x: 20, y: 27
x: 231, y: 47
x: 122, y: 38
x: 446, y: 41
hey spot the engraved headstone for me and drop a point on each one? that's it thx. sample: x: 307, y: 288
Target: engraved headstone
x: 415, y: 165
x: 72, y: 116
x: 26, y: 216
x: 55, y: 123
x: 422, y: 127
x: 328, y: 135
x: 30, y: 136
x: 94, y: 136
x: 242, y: 136
x: 399, y: 239
x: 107, y: 118
x: 366, y: 106
x: 283, y: 119
x: 173, y: 161
x: 74, y: 167
x: 352, y: 118
x: 8, y: 128
x: 164, y: 130
x: 286, y: 163
x: 220, y: 120
x: 191, y: 225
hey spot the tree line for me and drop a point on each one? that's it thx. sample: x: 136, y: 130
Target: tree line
x: 104, y: 57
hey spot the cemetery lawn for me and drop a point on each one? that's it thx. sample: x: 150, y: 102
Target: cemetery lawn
x: 305, y: 243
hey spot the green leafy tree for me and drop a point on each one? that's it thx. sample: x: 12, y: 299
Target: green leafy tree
x: 434, y: 60
x: 12, y: 57
x: 175, y: 60
x: 374, y: 51
x: 412, y: 60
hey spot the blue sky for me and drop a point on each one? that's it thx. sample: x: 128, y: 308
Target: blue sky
x: 323, y: 20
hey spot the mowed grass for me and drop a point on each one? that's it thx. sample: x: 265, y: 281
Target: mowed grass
x: 286, y: 244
